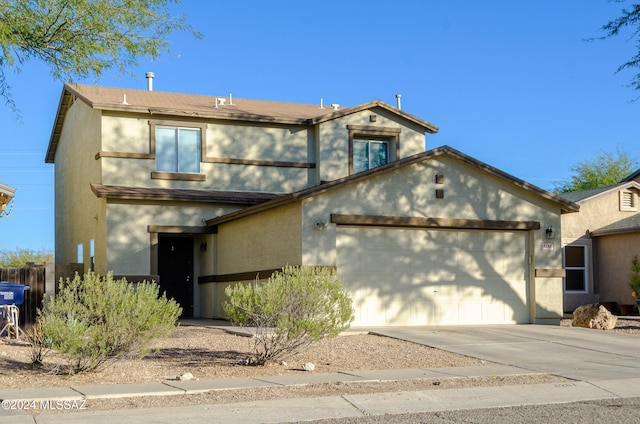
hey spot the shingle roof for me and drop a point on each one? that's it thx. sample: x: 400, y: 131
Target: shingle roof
x: 582, y: 195
x: 631, y: 177
x: 576, y: 196
x: 109, y: 98
x: 199, y: 106
x: 181, y: 195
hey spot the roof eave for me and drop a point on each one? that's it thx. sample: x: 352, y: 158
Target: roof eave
x: 427, y: 126
x: 63, y: 106
x: 613, y: 188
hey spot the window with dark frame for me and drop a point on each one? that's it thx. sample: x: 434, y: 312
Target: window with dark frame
x: 371, y: 146
x: 369, y: 154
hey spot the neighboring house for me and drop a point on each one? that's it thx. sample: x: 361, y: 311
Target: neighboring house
x: 200, y: 192
x: 599, y: 243
x: 6, y: 196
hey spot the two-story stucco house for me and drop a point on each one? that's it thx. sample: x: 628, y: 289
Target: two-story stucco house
x: 199, y: 192
x: 599, y: 243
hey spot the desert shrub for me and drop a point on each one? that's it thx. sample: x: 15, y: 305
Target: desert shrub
x: 634, y: 277
x: 39, y: 344
x: 292, y: 309
x: 95, y: 320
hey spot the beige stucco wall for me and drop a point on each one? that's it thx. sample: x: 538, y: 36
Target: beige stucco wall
x: 268, y: 240
x: 128, y: 234
x: 602, y: 212
x: 130, y: 133
x: 333, y: 149
x: 78, y: 212
x: 613, y: 265
x: 469, y: 194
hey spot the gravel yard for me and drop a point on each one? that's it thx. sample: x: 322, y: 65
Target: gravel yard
x: 210, y: 353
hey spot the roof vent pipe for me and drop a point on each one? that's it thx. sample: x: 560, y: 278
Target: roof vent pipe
x: 230, y: 99
x: 398, y: 96
x: 149, y: 76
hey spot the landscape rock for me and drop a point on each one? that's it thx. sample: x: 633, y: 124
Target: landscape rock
x: 594, y: 316
x: 185, y: 377
x: 309, y: 366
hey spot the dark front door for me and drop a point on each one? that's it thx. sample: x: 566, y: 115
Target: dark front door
x: 175, y: 267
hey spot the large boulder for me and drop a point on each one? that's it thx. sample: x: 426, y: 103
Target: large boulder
x: 594, y: 316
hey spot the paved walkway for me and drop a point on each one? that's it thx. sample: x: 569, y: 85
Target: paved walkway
x: 601, y: 365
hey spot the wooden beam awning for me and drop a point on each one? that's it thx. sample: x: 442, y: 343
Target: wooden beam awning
x: 424, y: 222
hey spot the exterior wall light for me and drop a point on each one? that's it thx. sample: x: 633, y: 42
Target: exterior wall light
x: 203, y: 246
x: 549, y: 232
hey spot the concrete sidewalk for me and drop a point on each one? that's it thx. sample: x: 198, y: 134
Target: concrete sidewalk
x: 602, y: 365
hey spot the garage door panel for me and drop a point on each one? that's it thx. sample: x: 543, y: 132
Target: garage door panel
x: 421, y: 277
x: 445, y: 313
x: 374, y: 261
x: 374, y: 237
x: 435, y: 240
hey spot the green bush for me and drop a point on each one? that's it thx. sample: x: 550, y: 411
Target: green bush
x: 294, y: 308
x: 634, y: 277
x: 95, y: 320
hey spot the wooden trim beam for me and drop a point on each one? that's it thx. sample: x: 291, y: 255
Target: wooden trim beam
x: 155, y: 175
x: 243, y: 276
x: 374, y: 131
x: 423, y: 222
x: 257, y: 162
x: 124, y: 155
x: 181, y: 229
x: 550, y: 273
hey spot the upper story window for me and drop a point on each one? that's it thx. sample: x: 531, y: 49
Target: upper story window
x: 178, y: 149
x: 370, y: 147
x: 369, y: 154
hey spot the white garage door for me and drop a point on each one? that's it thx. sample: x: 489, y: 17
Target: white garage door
x: 400, y: 276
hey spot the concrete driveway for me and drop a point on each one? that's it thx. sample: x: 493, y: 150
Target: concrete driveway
x: 575, y: 353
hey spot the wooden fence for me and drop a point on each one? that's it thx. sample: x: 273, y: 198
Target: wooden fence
x: 34, y: 277
x: 41, y: 280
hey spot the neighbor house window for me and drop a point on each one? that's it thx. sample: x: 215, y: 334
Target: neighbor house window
x: 575, y: 265
x: 369, y: 154
x: 371, y: 146
x: 178, y: 149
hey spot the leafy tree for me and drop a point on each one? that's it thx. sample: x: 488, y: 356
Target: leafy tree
x: 83, y: 38
x: 606, y: 169
x: 630, y: 19
x: 18, y: 257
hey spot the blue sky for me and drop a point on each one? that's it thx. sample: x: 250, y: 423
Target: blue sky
x: 511, y: 83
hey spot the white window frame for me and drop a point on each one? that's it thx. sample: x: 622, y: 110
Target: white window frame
x: 585, y: 268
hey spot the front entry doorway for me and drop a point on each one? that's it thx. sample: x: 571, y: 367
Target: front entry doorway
x: 175, y: 268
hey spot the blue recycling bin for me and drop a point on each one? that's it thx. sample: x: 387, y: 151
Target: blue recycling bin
x: 12, y: 293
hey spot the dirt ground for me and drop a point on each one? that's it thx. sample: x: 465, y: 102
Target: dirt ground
x: 210, y: 353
